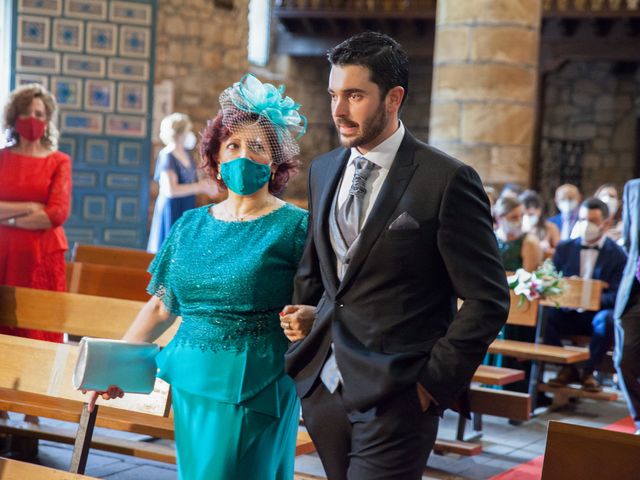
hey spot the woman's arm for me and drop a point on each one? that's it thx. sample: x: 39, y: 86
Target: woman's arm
x: 18, y: 209
x: 151, y: 322
x: 531, y: 253
x: 170, y: 188
x: 56, y: 210
x: 553, y: 234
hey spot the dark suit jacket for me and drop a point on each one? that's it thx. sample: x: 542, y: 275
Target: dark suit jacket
x: 393, y: 318
x: 557, y: 220
x: 631, y: 233
x: 608, y: 268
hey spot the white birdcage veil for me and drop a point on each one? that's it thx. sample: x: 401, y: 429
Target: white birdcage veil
x: 252, y: 105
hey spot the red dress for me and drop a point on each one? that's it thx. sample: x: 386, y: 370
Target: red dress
x: 35, y: 258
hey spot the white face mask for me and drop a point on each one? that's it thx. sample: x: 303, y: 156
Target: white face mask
x: 529, y: 222
x: 567, y: 206
x: 588, y: 231
x: 511, y: 229
x: 612, y: 204
x: 190, y: 141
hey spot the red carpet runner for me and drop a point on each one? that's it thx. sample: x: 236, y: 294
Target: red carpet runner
x: 532, y: 470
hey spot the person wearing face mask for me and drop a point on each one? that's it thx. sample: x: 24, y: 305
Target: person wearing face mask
x: 533, y: 222
x: 177, y: 176
x: 517, y: 248
x: 608, y: 193
x: 227, y: 269
x: 35, y: 195
x: 591, y: 256
x: 567, y: 199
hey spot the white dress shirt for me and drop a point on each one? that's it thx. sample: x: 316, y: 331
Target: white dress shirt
x: 381, y: 155
x: 588, y: 259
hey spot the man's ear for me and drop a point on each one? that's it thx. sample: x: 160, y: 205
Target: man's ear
x: 394, y: 99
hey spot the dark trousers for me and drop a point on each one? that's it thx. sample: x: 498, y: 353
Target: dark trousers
x: 391, y: 441
x: 599, y: 326
x: 627, y: 359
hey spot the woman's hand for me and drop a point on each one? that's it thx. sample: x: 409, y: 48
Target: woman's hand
x: 112, y: 392
x: 296, y: 321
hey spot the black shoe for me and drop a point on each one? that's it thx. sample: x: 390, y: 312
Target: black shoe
x: 23, y: 448
x: 542, y: 400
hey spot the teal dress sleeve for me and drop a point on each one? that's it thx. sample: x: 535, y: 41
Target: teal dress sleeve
x: 160, y: 269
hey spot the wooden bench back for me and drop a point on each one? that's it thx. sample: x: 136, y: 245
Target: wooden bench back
x: 574, y: 451
x: 16, y: 470
x: 108, y: 281
x: 113, y: 256
x: 525, y: 315
x: 579, y: 293
x: 76, y: 314
x: 47, y: 368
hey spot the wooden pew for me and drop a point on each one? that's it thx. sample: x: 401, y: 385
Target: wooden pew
x: 108, y: 281
x: 574, y: 451
x: 15, y: 470
x: 579, y: 293
x: 85, y: 315
x: 112, y: 256
x: 81, y: 315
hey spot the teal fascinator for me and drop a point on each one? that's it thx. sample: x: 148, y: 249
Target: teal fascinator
x: 250, y: 97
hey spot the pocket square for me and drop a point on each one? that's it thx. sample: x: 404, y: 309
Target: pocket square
x: 404, y: 222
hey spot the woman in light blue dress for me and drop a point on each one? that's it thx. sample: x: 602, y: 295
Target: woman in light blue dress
x: 227, y: 270
x: 177, y: 177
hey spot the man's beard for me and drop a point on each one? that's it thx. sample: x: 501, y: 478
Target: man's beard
x: 371, y: 129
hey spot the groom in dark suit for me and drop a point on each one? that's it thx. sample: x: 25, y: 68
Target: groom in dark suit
x: 398, y: 232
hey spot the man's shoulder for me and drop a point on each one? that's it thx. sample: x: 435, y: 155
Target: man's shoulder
x: 614, y: 249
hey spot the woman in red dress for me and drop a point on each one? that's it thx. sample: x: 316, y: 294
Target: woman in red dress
x: 35, y: 187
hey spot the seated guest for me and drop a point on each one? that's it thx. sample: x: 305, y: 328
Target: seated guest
x: 591, y: 256
x: 533, y: 222
x: 518, y: 249
x: 567, y: 200
x: 608, y: 193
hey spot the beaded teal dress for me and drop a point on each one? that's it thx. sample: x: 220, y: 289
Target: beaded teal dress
x: 235, y: 411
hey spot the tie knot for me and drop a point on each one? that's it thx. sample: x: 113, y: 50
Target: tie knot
x: 364, y: 168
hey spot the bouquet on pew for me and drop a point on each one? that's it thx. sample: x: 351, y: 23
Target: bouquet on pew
x: 543, y: 283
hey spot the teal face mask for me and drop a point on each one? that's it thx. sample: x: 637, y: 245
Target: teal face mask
x: 243, y: 176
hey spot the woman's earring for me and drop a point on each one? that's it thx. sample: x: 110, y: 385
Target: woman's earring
x: 218, y: 176
x: 273, y: 175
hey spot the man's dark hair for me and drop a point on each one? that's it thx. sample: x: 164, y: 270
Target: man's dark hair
x: 593, y: 203
x: 387, y: 62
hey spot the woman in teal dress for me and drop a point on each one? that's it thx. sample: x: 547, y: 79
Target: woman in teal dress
x: 518, y: 250
x: 227, y: 270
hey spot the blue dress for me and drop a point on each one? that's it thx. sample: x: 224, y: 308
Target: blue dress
x: 235, y: 411
x: 168, y: 210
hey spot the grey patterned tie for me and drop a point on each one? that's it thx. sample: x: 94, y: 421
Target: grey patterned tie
x: 349, y: 215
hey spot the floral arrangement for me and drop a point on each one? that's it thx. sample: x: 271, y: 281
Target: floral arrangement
x: 542, y: 283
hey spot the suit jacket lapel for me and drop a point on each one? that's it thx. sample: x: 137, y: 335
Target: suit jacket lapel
x: 392, y: 190
x: 575, y: 259
x: 333, y: 174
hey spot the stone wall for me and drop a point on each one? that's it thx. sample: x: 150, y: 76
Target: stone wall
x: 589, y: 102
x: 202, y: 50
x: 484, y: 87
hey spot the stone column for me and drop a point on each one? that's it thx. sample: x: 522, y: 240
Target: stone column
x: 484, y: 85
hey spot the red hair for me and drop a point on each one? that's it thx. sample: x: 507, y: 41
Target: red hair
x: 215, y: 133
